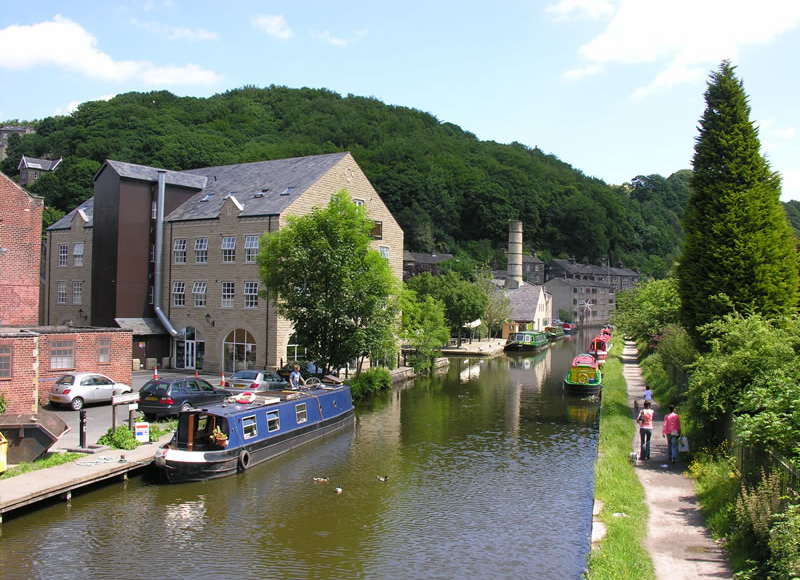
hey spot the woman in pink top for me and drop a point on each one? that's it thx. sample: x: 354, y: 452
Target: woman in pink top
x: 645, y: 421
x: 672, y: 431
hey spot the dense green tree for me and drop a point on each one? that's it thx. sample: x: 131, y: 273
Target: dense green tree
x: 338, y: 292
x: 738, y: 242
x: 646, y: 310
x: 423, y: 327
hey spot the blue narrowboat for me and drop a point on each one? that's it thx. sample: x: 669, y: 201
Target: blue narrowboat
x: 244, y: 430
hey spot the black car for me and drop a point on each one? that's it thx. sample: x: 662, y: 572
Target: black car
x: 162, y: 397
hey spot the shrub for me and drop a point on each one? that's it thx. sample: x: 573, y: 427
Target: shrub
x: 784, y: 545
x: 370, y: 382
x: 119, y: 438
x: 3, y: 404
x: 718, y: 486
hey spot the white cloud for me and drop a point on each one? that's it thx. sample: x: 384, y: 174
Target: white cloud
x: 785, y: 133
x: 686, y: 35
x: 336, y: 41
x: 175, y: 33
x: 579, y: 73
x: 73, y: 105
x: 576, y: 9
x: 65, y: 44
x: 275, y: 26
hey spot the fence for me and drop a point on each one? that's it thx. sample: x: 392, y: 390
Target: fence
x: 750, y: 461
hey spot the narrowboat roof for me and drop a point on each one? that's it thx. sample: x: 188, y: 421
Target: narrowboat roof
x: 584, y: 360
x: 230, y: 407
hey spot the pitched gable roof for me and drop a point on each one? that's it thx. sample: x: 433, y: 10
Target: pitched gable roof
x: 36, y: 163
x: 87, y: 211
x: 262, y: 188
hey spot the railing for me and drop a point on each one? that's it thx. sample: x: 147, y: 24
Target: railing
x: 750, y: 461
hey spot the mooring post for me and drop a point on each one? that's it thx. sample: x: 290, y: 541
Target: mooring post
x: 82, y: 442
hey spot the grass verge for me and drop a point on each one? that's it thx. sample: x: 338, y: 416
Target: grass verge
x: 49, y: 460
x: 619, y: 555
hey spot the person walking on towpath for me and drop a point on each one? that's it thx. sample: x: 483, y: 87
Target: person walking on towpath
x: 672, y: 431
x: 645, y: 420
x: 677, y: 540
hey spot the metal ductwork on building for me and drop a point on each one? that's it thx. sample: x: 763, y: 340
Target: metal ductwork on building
x: 514, y: 278
x: 162, y: 175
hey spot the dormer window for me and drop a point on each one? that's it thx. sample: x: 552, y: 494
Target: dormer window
x: 287, y: 191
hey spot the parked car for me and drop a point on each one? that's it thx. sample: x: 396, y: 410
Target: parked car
x: 163, y: 397
x: 76, y: 389
x: 256, y: 381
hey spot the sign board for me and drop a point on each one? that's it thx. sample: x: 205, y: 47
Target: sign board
x: 142, y: 432
x: 133, y: 406
x: 125, y: 398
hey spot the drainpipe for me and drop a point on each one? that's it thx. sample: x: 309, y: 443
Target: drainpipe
x: 159, y: 246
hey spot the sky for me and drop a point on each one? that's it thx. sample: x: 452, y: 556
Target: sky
x: 612, y: 87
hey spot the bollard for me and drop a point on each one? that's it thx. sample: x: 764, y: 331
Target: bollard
x: 82, y: 443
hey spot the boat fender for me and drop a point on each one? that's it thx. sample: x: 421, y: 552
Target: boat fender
x: 583, y: 378
x: 244, y: 459
x: 246, y: 397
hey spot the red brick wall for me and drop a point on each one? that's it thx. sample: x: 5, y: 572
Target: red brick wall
x: 20, y: 390
x: 20, y: 238
x: 86, y: 352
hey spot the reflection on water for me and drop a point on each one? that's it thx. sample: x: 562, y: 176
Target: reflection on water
x: 489, y: 477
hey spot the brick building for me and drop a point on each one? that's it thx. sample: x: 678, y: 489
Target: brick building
x: 191, y: 294
x: 33, y: 356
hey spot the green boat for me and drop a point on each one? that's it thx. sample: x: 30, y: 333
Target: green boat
x: 526, y: 340
x: 554, y: 332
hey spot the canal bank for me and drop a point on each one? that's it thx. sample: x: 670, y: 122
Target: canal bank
x: 115, y: 464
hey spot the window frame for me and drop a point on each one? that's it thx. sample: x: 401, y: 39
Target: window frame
x: 104, y: 351
x: 201, y: 250
x: 200, y: 293
x: 273, y: 421
x: 61, y: 292
x: 77, y: 291
x: 301, y: 413
x: 77, y: 256
x: 228, y: 248
x: 178, y: 293
x: 63, y: 255
x: 62, y: 355
x: 228, y: 299
x: 251, y: 298
x: 6, y: 361
x: 249, y: 427
x: 179, y: 250
x: 377, y: 230
x: 251, y: 248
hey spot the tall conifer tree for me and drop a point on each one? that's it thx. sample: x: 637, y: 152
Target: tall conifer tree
x: 738, y: 240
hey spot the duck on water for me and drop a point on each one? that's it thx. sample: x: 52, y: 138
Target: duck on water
x: 242, y: 431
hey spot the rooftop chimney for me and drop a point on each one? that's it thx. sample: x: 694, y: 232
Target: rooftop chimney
x: 514, y: 278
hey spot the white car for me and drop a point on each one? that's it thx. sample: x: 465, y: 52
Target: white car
x: 75, y: 389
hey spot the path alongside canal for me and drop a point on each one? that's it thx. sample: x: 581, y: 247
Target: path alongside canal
x: 677, y: 540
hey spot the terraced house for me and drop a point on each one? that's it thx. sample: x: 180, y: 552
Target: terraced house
x: 172, y: 256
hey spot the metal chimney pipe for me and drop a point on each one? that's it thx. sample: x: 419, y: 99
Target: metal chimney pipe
x: 159, y: 247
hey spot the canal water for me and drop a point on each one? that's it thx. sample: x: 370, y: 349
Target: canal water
x: 490, y: 475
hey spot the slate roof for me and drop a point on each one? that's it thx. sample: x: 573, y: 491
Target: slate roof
x: 424, y: 258
x: 143, y: 326
x: 36, y: 163
x: 150, y: 174
x: 262, y: 188
x: 582, y: 269
x: 65, y: 223
x: 579, y: 283
x: 523, y: 301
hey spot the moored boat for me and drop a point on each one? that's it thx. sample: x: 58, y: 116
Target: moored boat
x: 599, y: 347
x: 569, y: 327
x: 584, y: 377
x: 526, y: 340
x: 242, y: 431
x: 554, y: 332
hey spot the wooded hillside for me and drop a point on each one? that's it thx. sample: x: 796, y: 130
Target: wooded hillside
x: 450, y: 191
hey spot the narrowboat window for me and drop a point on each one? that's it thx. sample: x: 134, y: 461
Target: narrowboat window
x: 302, y: 416
x: 273, y: 421
x: 249, y: 427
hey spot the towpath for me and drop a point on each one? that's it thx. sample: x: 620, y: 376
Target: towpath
x: 677, y: 539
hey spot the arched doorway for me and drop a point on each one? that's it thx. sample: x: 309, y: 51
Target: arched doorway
x: 238, y: 351
x: 190, y: 349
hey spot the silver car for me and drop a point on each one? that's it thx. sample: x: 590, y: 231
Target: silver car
x: 75, y: 389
